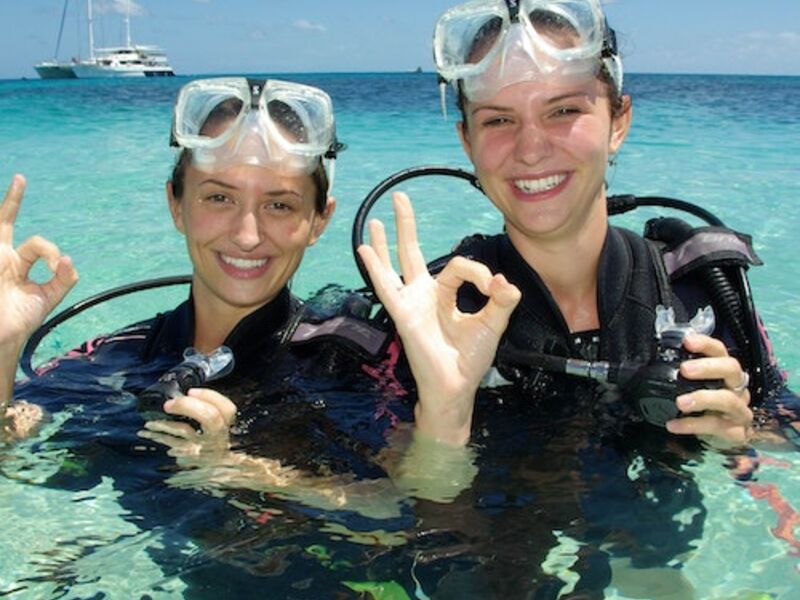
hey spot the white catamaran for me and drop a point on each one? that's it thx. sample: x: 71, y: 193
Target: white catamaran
x: 130, y: 60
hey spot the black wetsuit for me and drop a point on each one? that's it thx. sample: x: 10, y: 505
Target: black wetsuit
x: 310, y: 406
x: 566, y: 465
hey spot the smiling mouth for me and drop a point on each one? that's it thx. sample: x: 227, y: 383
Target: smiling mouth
x: 542, y: 184
x: 244, y: 263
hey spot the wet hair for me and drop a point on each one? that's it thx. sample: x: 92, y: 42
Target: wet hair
x: 543, y: 21
x: 280, y: 113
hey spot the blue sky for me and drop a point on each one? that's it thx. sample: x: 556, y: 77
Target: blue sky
x: 235, y: 36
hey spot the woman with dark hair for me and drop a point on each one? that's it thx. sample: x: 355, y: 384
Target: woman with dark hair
x: 249, y: 192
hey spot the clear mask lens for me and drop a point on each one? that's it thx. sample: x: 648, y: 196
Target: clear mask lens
x: 478, y: 43
x: 227, y: 121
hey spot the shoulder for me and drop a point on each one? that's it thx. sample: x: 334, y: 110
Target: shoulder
x: 133, y: 342
x: 340, y: 320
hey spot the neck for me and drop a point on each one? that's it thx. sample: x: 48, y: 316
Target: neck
x: 568, y: 267
x: 214, y: 320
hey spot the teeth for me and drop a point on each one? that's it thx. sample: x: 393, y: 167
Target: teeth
x: 536, y: 186
x: 244, y: 263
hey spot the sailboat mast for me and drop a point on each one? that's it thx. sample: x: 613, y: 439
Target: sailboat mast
x: 60, y: 30
x: 91, y: 30
x: 128, y: 24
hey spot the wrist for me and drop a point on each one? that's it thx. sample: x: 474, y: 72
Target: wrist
x: 449, y: 422
x: 432, y: 469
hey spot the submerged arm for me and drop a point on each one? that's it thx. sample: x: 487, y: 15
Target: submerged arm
x: 418, y: 467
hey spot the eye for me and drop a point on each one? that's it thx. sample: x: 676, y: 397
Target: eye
x: 566, y: 111
x: 496, y: 121
x: 280, y: 206
x: 217, y: 199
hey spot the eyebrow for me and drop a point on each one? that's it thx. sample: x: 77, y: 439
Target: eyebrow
x: 549, y: 101
x: 228, y: 186
x: 492, y: 107
x: 219, y: 182
x: 567, y: 96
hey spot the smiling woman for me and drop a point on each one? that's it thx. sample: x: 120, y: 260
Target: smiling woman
x: 249, y: 191
x: 246, y: 235
x: 540, y: 91
x: 247, y: 228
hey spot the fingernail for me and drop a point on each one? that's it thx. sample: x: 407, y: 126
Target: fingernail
x: 685, y: 402
x: 169, y: 404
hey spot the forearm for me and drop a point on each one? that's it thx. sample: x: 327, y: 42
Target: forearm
x: 423, y: 467
x: 9, y: 355
x: 372, y: 498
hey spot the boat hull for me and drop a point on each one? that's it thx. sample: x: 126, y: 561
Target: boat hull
x: 55, y: 71
x: 101, y: 71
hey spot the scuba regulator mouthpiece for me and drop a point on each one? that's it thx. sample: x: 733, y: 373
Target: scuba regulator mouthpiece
x: 195, y: 370
x: 654, y: 386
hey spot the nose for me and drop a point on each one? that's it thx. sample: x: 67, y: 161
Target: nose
x: 532, y: 144
x: 246, y: 233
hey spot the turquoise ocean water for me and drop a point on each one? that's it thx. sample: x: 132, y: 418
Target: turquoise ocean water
x: 96, y: 156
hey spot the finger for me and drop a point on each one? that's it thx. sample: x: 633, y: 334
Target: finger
x: 705, y: 344
x: 164, y: 439
x: 460, y: 270
x: 208, y: 416
x: 385, y: 281
x: 710, y: 424
x: 503, y: 299
x: 36, y: 248
x: 175, y: 429
x: 10, y: 208
x: 178, y: 447
x: 377, y: 241
x: 412, y: 263
x: 724, y: 367
x: 66, y: 274
x: 61, y: 283
x: 222, y: 403
x: 727, y: 403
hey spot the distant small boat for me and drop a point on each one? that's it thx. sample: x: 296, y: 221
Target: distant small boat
x: 130, y: 60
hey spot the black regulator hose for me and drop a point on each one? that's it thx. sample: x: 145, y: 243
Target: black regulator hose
x: 79, y: 307
x: 731, y: 300
x: 384, y: 186
x: 623, y: 203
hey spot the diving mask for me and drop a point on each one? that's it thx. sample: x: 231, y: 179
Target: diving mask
x: 491, y: 45
x: 233, y: 120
